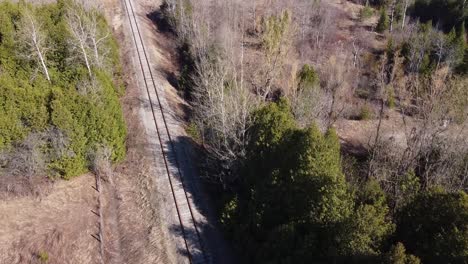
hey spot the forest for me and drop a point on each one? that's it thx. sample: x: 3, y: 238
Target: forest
x: 59, y: 92
x: 331, y: 131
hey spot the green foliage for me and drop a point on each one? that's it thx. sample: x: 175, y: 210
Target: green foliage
x: 365, y: 13
x: 399, y: 11
x: 294, y: 205
x: 43, y: 256
x: 383, y: 22
x: 422, y: 54
x: 434, y: 226
x: 185, y: 81
x: 23, y: 109
x: 193, y: 131
x: 307, y: 77
x: 408, y: 186
x: 368, y: 227
x: 390, y: 50
x: 271, y: 123
x: 463, y: 67
x: 398, y: 255
x: 427, y: 66
x: 456, y: 42
x: 30, y: 104
x: 362, y: 93
x: 274, y: 32
x: 366, y: 112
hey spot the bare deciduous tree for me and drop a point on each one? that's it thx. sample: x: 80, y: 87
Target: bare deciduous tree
x: 406, y: 4
x: 335, y: 76
x: 222, y: 99
x: 307, y: 105
x: 26, y: 159
x: 76, y: 20
x: 222, y: 109
x: 393, y: 6
x: 33, y: 38
x: 236, y: 68
x: 433, y: 152
x: 277, y: 39
x: 440, y: 46
x: 97, y: 36
x: 83, y: 21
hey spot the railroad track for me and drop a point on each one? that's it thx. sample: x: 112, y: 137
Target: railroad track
x: 192, y: 241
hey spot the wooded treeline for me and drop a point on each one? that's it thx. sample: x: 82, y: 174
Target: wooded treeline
x: 269, y: 80
x: 59, y: 90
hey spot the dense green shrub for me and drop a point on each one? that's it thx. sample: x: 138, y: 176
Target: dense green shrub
x: 88, y: 118
x: 295, y: 205
x: 434, y: 227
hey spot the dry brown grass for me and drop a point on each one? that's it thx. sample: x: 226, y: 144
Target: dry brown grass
x: 59, y: 223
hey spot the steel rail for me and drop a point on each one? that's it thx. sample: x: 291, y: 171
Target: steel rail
x: 136, y: 35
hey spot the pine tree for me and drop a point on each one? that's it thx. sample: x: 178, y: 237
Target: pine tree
x: 383, y: 23
x: 294, y: 190
x: 308, y: 78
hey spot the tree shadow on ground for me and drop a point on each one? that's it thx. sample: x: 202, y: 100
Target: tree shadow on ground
x: 181, y: 155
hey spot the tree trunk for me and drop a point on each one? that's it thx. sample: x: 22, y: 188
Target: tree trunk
x: 36, y: 40
x: 96, y: 53
x: 376, y: 140
x: 404, y: 14
x: 44, y: 67
x: 85, y: 56
x: 392, y: 16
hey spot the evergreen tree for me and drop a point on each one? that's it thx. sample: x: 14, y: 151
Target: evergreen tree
x: 383, y: 22
x: 308, y: 78
x: 295, y: 195
x: 434, y: 226
x: 368, y: 227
